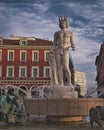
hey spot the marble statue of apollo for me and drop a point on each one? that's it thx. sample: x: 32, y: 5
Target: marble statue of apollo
x: 59, y: 54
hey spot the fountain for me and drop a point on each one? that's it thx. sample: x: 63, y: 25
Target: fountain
x: 12, y: 108
x: 59, y: 62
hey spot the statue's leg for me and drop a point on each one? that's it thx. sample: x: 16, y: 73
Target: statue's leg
x: 66, y: 68
x: 1, y: 116
x: 91, y: 122
x: 54, y: 72
x: 59, y: 69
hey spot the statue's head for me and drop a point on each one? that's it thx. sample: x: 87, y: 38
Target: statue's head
x: 63, y: 22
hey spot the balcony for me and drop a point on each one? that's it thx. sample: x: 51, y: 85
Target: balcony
x: 25, y: 80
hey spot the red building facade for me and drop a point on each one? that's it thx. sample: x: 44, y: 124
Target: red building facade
x: 24, y: 62
x: 24, y: 65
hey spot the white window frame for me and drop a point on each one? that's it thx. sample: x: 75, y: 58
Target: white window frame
x: 10, y: 59
x: 23, y: 51
x: 45, y: 56
x: 33, y: 56
x: 23, y: 42
x: 45, y: 75
x: 1, y: 41
x: 0, y: 55
x: 9, y: 67
x: 20, y: 72
x: 34, y: 67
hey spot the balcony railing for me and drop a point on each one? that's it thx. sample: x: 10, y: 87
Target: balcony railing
x: 24, y: 80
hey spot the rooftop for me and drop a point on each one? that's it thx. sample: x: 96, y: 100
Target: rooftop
x: 15, y: 40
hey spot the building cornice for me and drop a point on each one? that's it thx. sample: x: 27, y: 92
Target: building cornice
x: 24, y: 47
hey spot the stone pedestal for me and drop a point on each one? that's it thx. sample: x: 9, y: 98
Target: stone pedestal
x: 63, y: 92
x: 70, y: 94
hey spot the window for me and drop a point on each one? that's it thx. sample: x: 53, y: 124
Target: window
x: 22, y: 55
x: 35, y: 56
x: 46, y: 72
x: 22, y: 72
x: 10, y: 55
x: 23, y: 42
x: 0, y: 55
x: 10, y: 71
x: 46, y: 56
x: 1, y: 40
x: 35, y: 71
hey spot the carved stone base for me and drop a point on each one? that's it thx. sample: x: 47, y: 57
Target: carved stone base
x: 63, y: 92
x: 70, y: 94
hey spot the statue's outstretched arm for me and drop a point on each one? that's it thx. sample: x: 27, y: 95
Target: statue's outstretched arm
x: 72, y: 41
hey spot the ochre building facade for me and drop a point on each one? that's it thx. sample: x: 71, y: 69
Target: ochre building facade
x: 80, y: 79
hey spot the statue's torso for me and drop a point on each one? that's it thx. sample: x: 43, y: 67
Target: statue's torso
x: 63, y: 38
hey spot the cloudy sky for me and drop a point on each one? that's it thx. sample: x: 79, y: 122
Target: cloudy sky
x: 39, y: 18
